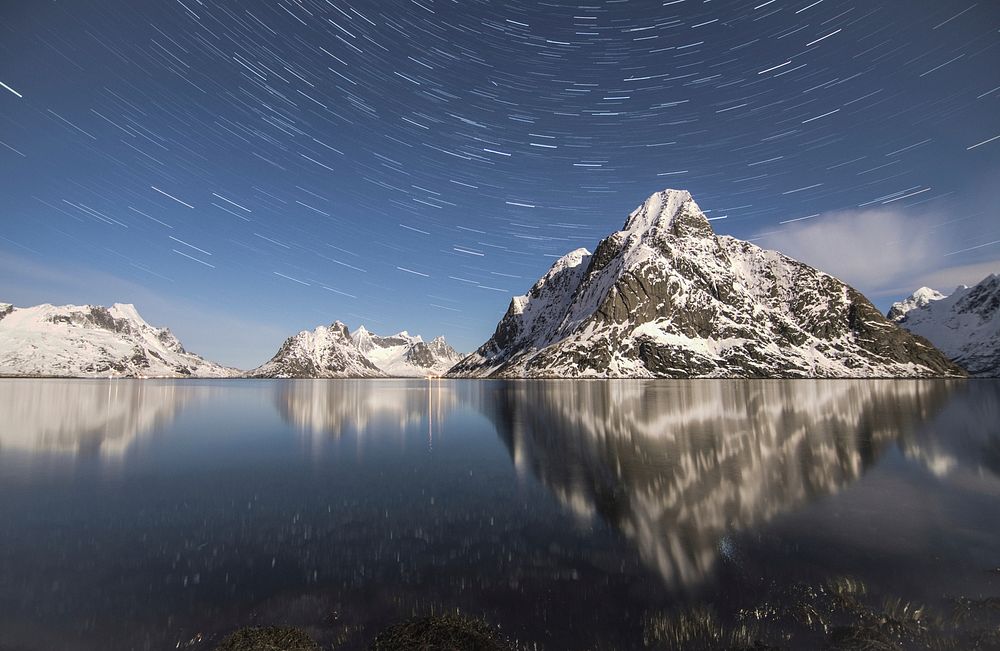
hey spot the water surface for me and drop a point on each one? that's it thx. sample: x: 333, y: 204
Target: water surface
x: 152, y: 514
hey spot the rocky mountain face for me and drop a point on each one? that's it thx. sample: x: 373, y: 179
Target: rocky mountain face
x: 667, y: 297
x: 964, y: 325
x: 93, y: 341
x: 405, y: 355
x: 326, y: 352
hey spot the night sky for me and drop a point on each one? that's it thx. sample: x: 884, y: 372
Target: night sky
x: 244, y: 170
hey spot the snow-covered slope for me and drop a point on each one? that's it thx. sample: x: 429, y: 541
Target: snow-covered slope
x: 405, y: 355
x: 666, y: 297
x: 964, y: 325
x: 326, y: 352
x: 93, y: 341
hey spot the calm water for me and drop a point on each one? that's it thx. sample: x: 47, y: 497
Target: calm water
x: 140, y: 514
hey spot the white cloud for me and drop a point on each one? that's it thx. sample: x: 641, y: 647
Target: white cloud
x: 884, y: 252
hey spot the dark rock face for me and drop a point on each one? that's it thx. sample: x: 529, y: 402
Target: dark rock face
x: 420, y: 354
x: 441, y: 349
x: 666, y: 297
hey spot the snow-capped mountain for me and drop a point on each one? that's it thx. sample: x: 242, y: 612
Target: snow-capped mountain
x: 405, y: 355
x: 93, y: 341
x: 919, y: 298
x: 667, y: 297
x: 326, y: 352
x: 964, y: 325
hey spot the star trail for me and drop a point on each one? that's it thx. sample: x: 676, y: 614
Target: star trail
x: 410, y: 164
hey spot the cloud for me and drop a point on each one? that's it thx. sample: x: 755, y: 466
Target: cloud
x: 886, y: 252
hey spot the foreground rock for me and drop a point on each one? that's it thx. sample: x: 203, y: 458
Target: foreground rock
x: 964, y: 325
x: 93, y: 341
x: 441, y: 633
x: 667, y: 297
x: 271, y: 638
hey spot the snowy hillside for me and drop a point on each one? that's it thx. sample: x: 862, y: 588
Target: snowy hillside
x: 964, y: 325
x: 666, y: 297
x: 93, y: 341
x: 405, y: 355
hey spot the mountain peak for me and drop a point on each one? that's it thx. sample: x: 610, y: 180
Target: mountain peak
x: 666, y: 297
x: 917, y: 299
x: 669, y: 211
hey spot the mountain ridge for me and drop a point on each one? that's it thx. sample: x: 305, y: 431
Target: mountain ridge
x: 335, y: 352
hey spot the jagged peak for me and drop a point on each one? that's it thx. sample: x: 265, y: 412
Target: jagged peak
x: 341, y: 328
x: 669, y: 211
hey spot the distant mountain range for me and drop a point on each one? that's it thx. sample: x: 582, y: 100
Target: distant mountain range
x: 666, y: 297
x: 964, y: 325
x: 334, y: 352
x: 663, y: 297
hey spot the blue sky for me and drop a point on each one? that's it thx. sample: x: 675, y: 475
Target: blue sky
x: 244, y: 170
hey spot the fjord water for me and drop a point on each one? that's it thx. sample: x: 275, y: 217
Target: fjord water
x: 152, y: 514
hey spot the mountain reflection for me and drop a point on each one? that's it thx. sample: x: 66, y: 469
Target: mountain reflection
x: 675, y: 466
x: 88, y: 418
x: 331, y: 408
